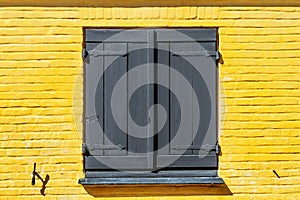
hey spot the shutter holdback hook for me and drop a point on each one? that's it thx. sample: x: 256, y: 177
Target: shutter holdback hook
x: 47, y: 178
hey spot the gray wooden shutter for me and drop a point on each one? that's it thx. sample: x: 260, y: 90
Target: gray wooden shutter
x: 122, y: 55
x: 202, y: 151
x: 106, y: 61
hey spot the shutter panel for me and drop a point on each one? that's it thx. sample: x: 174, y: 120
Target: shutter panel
x: 201, y: 152
x: 108, y: 60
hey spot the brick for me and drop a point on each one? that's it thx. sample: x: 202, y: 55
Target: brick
x: 40, y: 14
x: 11, y: 31
x: 261, y: 70
x: 260, y: 39
x: 259, y: 31
x: 261, y: 117
x: 261, y: 149
x: 40, y: 55
x: 258, y: 133
x: 261, y: 141
x: 264, y: 109
x: 263, y: 92
x: 260, y: 46
x: 58, y: 39
x: 231, y: 83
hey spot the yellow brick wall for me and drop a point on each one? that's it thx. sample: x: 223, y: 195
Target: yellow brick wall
x: 41, y: 92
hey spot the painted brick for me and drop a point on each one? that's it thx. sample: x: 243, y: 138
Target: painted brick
x: 41, y: 91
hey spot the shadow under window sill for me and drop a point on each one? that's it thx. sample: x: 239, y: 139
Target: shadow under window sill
x: 154, y: 186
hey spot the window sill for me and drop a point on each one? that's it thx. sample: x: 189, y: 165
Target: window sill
x: 147, y: 180
x: 176, y: 183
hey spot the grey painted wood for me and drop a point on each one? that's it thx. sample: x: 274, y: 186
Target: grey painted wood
x: 91, y: 46
x: 186, y: 93
x: 206, y: 34
x: 140, y: 101
x: 144, y: 99
x: 173, y: 173
x: 209, y: 46
x: 208, y: 70
x: 163, y: 99
x: 119, y: 162
x: 152, y: 75
x: 93, y: 71
x: 116, y: 35
x: 98, y: 35
x: 187, y: 161
x: 156, y: 180
x: 119, y: 66
x: 164, y: 35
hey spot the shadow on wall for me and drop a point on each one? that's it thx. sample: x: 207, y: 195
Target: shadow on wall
x: 154, y: 3
x: 156, y: 190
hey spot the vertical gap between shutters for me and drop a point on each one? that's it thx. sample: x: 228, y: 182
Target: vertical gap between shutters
x: 127, y: 100
x: 169, y: 74
x: 151, y: 61
x: 155, y: 96
x: 103, y: 102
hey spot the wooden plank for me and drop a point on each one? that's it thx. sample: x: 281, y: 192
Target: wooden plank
x: 180, y: 117
x: 163, y: 98
x: 208, y: 46
x: 152, y: 77
x: 187, y: 161
x: 118, y: 162
x: 93, y: 72
x: 164, y: 35
x: 100, y: 35
x: 203, y: 35
x: 172, y: 173
x: 138, y: 103
x: 115, y: 67
x: 208, y: 71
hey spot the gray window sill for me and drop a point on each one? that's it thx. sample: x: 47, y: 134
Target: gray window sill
x: 150, y: 180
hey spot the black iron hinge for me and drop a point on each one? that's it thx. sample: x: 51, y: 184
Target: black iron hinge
x: 218, y: 56
x: 86, y: 149
x: 218, y: 149
x: 84, y: 53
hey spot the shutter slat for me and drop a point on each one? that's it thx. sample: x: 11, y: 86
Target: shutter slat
x: 93, y: 70
x: 138, y: 102
x: 186, y: 161
x: 115, y: 67
x: 119, y: 162
x: 181, y: 115
x: 163, y: 99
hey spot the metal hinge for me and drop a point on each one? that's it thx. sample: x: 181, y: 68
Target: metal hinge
x: 92, y: 118
x: 218, y: 149
x: 218, y: 56
x: 96, y: 53
x: 84, y: 53
x: 204, y: 147
x: 196, y: 53
x: 86, y: 148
